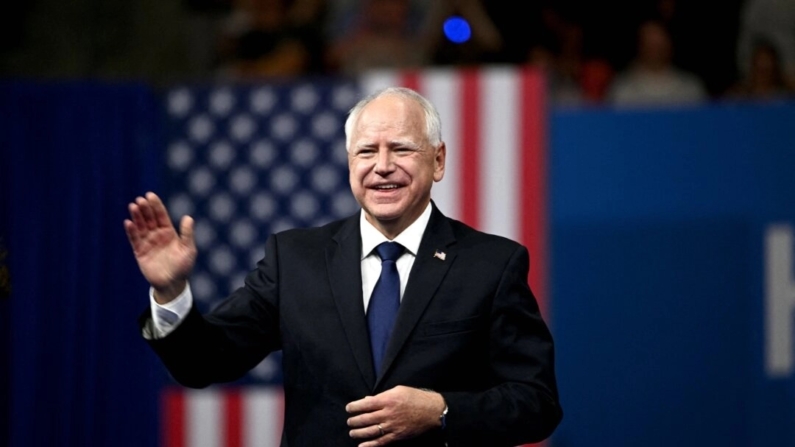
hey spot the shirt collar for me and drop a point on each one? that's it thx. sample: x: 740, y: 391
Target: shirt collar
x: 410, y: 238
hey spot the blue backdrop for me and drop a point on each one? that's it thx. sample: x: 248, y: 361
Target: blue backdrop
x: 658, y: 222
x: 73, y: 156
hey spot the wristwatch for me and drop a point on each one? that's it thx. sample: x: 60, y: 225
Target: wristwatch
x: 443, y: 417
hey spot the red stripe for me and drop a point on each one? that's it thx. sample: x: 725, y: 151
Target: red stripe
x: 233, y: 417
x: 534, y: 178
x: 173, y: 418
x: 469, y: 201
x: 410, y: 79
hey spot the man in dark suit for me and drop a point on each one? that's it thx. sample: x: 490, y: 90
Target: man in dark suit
x: 438, y: 343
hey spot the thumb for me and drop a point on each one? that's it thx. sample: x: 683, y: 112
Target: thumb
x: 186, y: 231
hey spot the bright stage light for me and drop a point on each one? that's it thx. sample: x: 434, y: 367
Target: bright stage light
x: 457, y: 29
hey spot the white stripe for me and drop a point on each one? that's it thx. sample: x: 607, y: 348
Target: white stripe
x: 499, y: 154
x: 374, y: 80
x: 262, y: 416
x: 204, y: 418
x: 442, y: 88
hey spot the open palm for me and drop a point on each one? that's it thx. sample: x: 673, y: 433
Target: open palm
x: 165, y: 258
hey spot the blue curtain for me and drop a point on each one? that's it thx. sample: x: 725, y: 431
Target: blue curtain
x: 76, y: 371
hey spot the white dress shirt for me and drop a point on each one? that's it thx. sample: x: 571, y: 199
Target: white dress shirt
x: 166, y: 317
x: 410, y: 239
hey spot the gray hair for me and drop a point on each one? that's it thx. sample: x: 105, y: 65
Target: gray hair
x: 433, y: 123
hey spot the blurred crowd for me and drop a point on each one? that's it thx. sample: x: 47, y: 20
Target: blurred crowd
x: 668, y: 52
x: 624, y: 52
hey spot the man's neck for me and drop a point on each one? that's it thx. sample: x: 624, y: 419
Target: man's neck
x: 392, y: 229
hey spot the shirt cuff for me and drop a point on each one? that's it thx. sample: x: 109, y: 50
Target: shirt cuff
x: 167, y: 317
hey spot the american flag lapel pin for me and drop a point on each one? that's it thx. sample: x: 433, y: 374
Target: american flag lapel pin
x: 439, y: 254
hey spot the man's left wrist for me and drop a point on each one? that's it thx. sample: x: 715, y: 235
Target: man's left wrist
x: 443, y: 414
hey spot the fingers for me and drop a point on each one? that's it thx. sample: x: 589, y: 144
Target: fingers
x: 186, y: 232
x: 402, y: 412
x: 137, y: 217
x: 142, y: 215
x: 358, y: 406
x: 149, y: 213
x: 132, y: 232
x: 366, y: 420
x: 375, y: 435
x: 135, y: 226
x: 158, y: 210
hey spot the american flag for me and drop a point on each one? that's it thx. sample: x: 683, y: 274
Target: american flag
x: 249, y: 160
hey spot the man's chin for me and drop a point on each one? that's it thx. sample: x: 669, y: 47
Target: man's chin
x: 385, y: 215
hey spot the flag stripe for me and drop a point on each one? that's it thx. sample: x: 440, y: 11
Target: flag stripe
x: 534, y: 181
x: 411, y: 79
x: 233, y: 414
x: 470, y: 153
x: 378, y: 79
x: 263, y: 416
x: 173, y: 418
x: 498, y: 153
x: 203, y: 412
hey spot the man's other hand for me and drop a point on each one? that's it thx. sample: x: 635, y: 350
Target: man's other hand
x: 399, y: 413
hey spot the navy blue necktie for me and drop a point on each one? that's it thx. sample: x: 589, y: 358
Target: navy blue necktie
x: 384, y: 302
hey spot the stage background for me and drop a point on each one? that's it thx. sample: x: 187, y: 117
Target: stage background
x: 657, y: 223
x: 73, y: 154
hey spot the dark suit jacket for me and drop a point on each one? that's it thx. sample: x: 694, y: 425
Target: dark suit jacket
x: 468, y: 327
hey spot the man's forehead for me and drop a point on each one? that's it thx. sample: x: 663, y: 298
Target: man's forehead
x: 392, y: 108
x: 391, y: 112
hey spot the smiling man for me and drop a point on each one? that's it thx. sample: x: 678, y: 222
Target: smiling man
x: 398, y: 326
x: 394, y: 160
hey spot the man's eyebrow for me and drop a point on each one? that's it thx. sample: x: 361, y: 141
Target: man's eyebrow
x: 407, y: 143
x: 393, y: 143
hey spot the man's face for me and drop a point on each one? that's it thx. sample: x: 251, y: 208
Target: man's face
x: 392, y: 165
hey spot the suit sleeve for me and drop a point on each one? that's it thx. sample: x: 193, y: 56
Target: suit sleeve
x: 225, y: 344
x: 522, y: 406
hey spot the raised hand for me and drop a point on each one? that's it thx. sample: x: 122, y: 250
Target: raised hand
x: 165, y: 258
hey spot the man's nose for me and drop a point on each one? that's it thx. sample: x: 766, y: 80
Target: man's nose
x: 383, y: 161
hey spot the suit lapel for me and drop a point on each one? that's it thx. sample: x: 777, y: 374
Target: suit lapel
x: 426, y: 275
x: 343, y: 261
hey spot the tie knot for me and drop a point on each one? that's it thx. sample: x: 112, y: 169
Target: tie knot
x: 389, y: 251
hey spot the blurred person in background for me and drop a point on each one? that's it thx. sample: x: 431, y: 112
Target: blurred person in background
x: 652, y: 78
x: 573, y: 78
x: 562, y: 90
x: 772, y: 21
x: 766, y: 78
x: 272, y: 38
x: 382, y: 35
x: 344, y: 15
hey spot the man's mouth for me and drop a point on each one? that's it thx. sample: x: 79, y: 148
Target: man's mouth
x: 386, y: 187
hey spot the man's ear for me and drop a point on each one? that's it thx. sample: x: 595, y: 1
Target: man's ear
x: 438, y: 161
